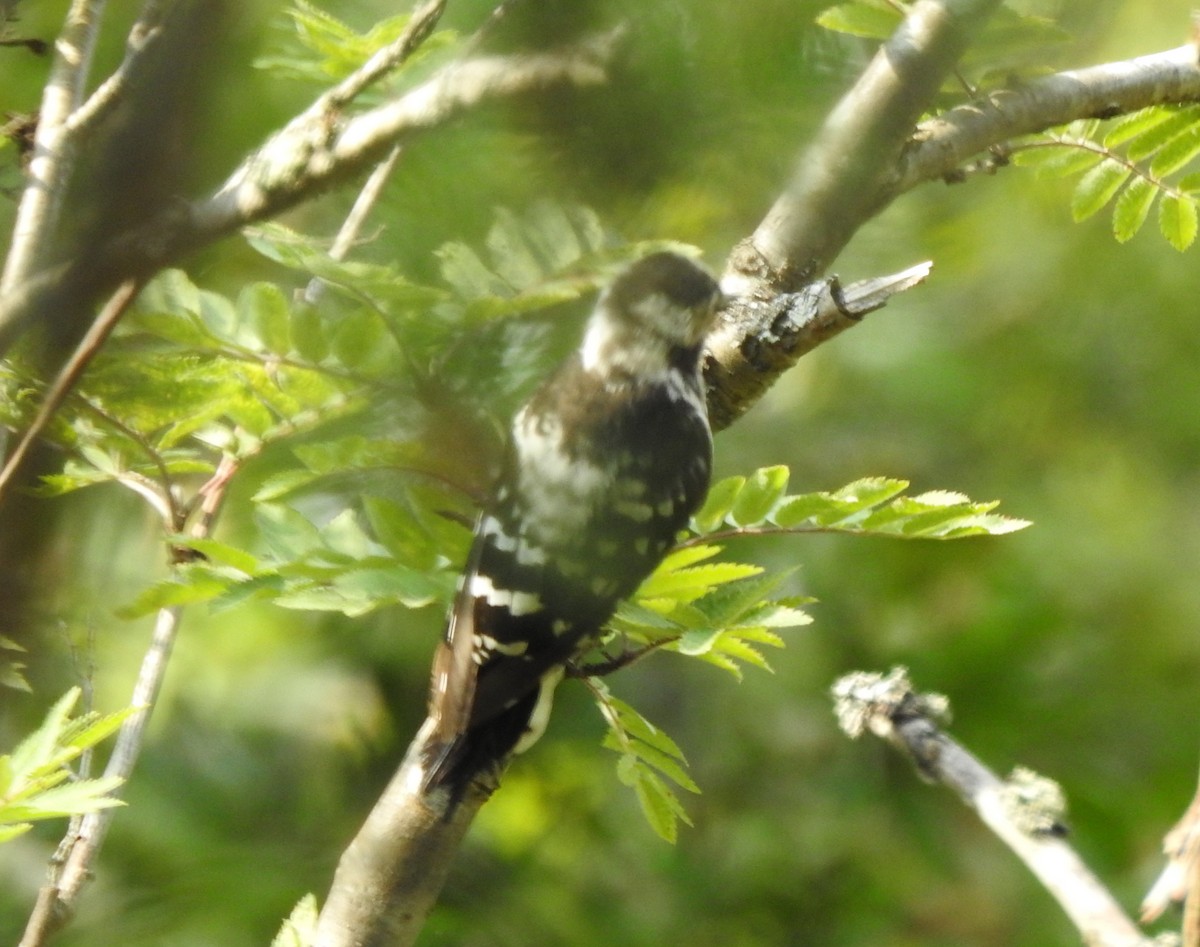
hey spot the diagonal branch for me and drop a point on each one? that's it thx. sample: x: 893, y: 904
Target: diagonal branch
x: 307, y: 157
x: 1022, y: 811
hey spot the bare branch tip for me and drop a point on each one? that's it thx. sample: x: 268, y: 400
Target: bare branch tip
x: 867, y: 700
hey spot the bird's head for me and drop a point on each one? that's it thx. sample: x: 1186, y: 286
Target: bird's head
x: 656, y: 310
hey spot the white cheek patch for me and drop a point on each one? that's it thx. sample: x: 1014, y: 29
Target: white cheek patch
x: 612, y: 346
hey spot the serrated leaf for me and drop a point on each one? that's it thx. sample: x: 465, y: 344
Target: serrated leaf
x: 191, y: 584
x: 660, y: 806
x: 758, y: 495
x: 512, y: 256
x: 1132, y: 208
x: 718, y: 503
x: 687, y: 585
x: 219, y: 552
x: 10, y: 832
x: 1097, y: 187
x: 1177, y: 220
x: 263, y: 308
x: 1137, y: 123
x: 37, y: 750
x: 392, y: 584
x: 552, y: 236
x: 300, y: 928
x: 74, y: 798
x: 1178, y: 152
x: 467, y: 274
x: 1147, y: 143
x: 1069, y: 160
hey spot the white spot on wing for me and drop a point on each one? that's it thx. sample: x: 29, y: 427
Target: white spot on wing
x: 638, y: 512
x: 524, y: 603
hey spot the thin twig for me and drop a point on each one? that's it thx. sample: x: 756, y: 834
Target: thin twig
x: 147, y: 28
x: 352, y: 226
x: 1016, y: 810
x: 308, y: 156
x: 57, y: 898
x: 67, y: 378
x: 418, y: 29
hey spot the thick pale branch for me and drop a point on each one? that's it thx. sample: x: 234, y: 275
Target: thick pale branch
x: 832, y: 192
x: 889, y: 708
x: 942, y: 144
x: 390, y: 876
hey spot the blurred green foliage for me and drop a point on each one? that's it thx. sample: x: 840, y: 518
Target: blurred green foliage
x: 1043, y: 364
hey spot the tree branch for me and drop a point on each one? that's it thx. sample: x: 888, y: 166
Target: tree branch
x: 1016, y: 809
x: 390, y: 876
x: 833, y: 189
x: 57, y: 897
x: 69, y: 376
x: 320, y: 148
x: 50, y: 166
x: 759, y: 340
x: 942, y: 144
x: 312, y: 153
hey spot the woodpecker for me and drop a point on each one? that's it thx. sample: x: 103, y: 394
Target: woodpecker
x: 605, y: 464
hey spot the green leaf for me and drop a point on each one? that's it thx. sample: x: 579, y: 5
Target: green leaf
x: 647, y: 755
x: 1177, y: 220
x: 660, y: 806
x: 300, y: 928
x: 1065, y: 160
x: 719, y: 502
x: 467, y: 274
x: 1136, y: 123
x: 689, y: 584
x: 865, y: 19
x: 263, y: 308
x: 74, y: 798
x: 1176, y: 153
x: 190, y: 584
x: 1155, y: 137
x: 1097, y: 187
x: 1132, y: 208
x: 512, y: 256
x: 759, y: 495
